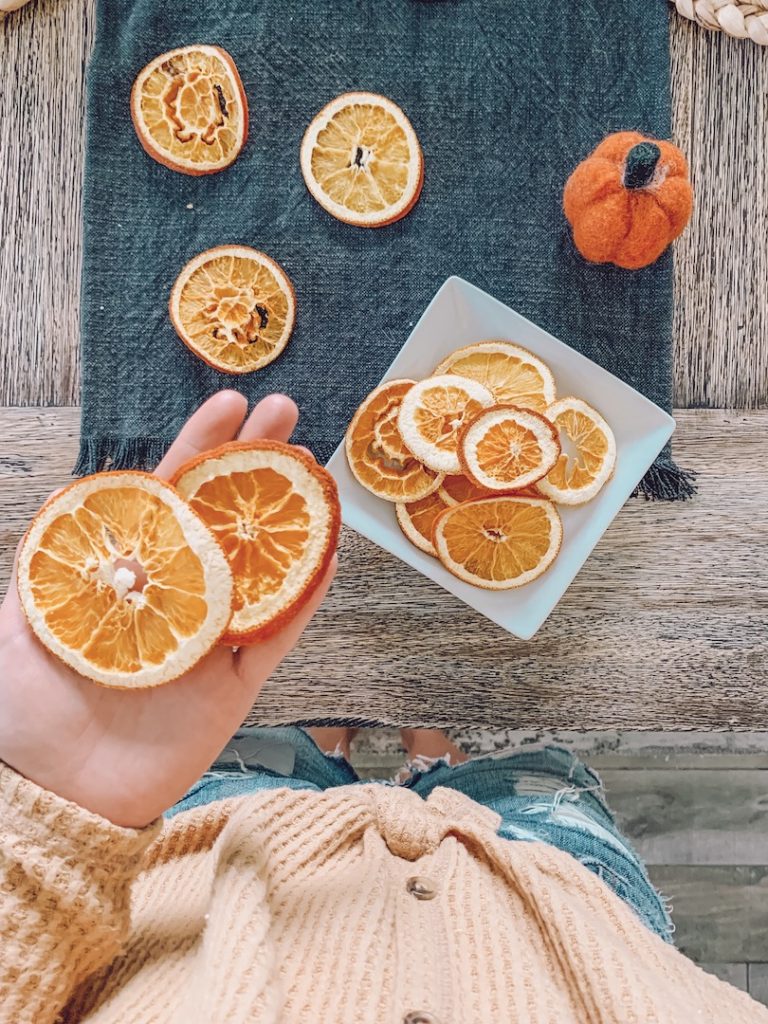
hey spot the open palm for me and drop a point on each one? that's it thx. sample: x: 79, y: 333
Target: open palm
x: 129, y: 755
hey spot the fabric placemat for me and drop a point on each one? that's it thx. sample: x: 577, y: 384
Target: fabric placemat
x: 506, y: 99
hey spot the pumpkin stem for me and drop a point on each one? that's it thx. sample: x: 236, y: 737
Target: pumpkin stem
x: 641, y: 165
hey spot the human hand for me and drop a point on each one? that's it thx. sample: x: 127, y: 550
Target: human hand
x: 129, y: 755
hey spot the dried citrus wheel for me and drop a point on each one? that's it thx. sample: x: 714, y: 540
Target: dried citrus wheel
x: 498, y: 543
x: 234, y: 307
x: 276, y: 514
x: 458, y: 488
x: 432, y: 415
x: 588, y: 454
x: 512, y: 374
x: 189, y: 109
x: 377, y: 456
x: 122, y: 581
x: 417, y: 518
x: 361, y: 160
x: 505, y: 448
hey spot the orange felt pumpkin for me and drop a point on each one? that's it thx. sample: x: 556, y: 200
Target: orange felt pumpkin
x: 628, y: 200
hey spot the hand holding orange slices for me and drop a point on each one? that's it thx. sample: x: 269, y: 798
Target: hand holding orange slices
x: 131, y: 582
x: 476, y: 458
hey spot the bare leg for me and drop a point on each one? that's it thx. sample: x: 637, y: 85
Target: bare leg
x: 430, y: 743
x: 333, y: 739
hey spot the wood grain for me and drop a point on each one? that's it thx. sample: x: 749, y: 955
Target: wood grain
x: 666, y: 627
x: 733, y: 974
x: 43, y: 48
x: 757, y: 978
x: 720, y: 117
x: 692, y: 816
x: 721, y: 912
x: 720, y: 103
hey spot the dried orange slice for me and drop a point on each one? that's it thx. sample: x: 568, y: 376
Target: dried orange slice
x: 417, y: 518
x: 189, y: 109
x: 362, y: 161
x: 432, y: 415
x: 498, y: 543
x: 458, y: 488
x: 234, y: 307
x: 512, y: 374
x: 123, y: 582
x: 377, y: 456
x: 276, y: 513
x: 505, y: 448
x: 588, y: 456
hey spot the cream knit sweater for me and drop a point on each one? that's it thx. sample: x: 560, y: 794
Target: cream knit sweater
x: 298, y: 906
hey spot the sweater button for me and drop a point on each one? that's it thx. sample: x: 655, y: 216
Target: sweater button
x: 421, y: 888
x: 420, y: 1017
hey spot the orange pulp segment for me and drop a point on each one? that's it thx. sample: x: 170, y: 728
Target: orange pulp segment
x: 505, y: 448
x: 512, y: 374
x: 588, y: 456
x: 121, y: 580
x: 361, y: 160
x: 377, y: 455
x: 190, y: 111
x: 234, y: 307
x: 498, y: 543
x: 276, y: 514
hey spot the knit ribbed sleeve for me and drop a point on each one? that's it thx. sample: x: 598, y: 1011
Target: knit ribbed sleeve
x: 65, y: 880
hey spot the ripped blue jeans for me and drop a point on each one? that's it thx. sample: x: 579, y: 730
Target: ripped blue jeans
x: 543, y: 794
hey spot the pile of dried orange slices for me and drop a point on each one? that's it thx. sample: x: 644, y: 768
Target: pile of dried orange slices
x: 131, y: 581
x: 476, y: 457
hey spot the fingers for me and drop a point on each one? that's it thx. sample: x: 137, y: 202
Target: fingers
x: 220, y: 419
x: 215, y: 422
x: 275, y: 417
x: 258, y: 662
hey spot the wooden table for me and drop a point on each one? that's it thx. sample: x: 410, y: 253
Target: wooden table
x: 667, y: 625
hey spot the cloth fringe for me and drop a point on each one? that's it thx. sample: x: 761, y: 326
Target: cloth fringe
x: 101, y: 453
x: 665, y: 481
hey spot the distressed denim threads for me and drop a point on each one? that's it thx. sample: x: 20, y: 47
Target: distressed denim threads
x: 504, y: 107
x: 540, y: 795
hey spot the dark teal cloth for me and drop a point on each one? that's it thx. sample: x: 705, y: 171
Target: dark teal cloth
x: 506, y: 99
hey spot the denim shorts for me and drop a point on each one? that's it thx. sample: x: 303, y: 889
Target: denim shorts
x: 543, y: 794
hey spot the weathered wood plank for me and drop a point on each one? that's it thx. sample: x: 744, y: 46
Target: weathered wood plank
x: 665, y: 628
x: 757, y: 981
x: 627, y: 750
x: 42, y: 54
x: 693, y: 816
x: 720, y: 913
x: 734, y: 974
x: 720, y: 117
x: 719, y: 89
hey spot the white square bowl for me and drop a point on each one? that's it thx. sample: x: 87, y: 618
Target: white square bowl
x: 461, y: 314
